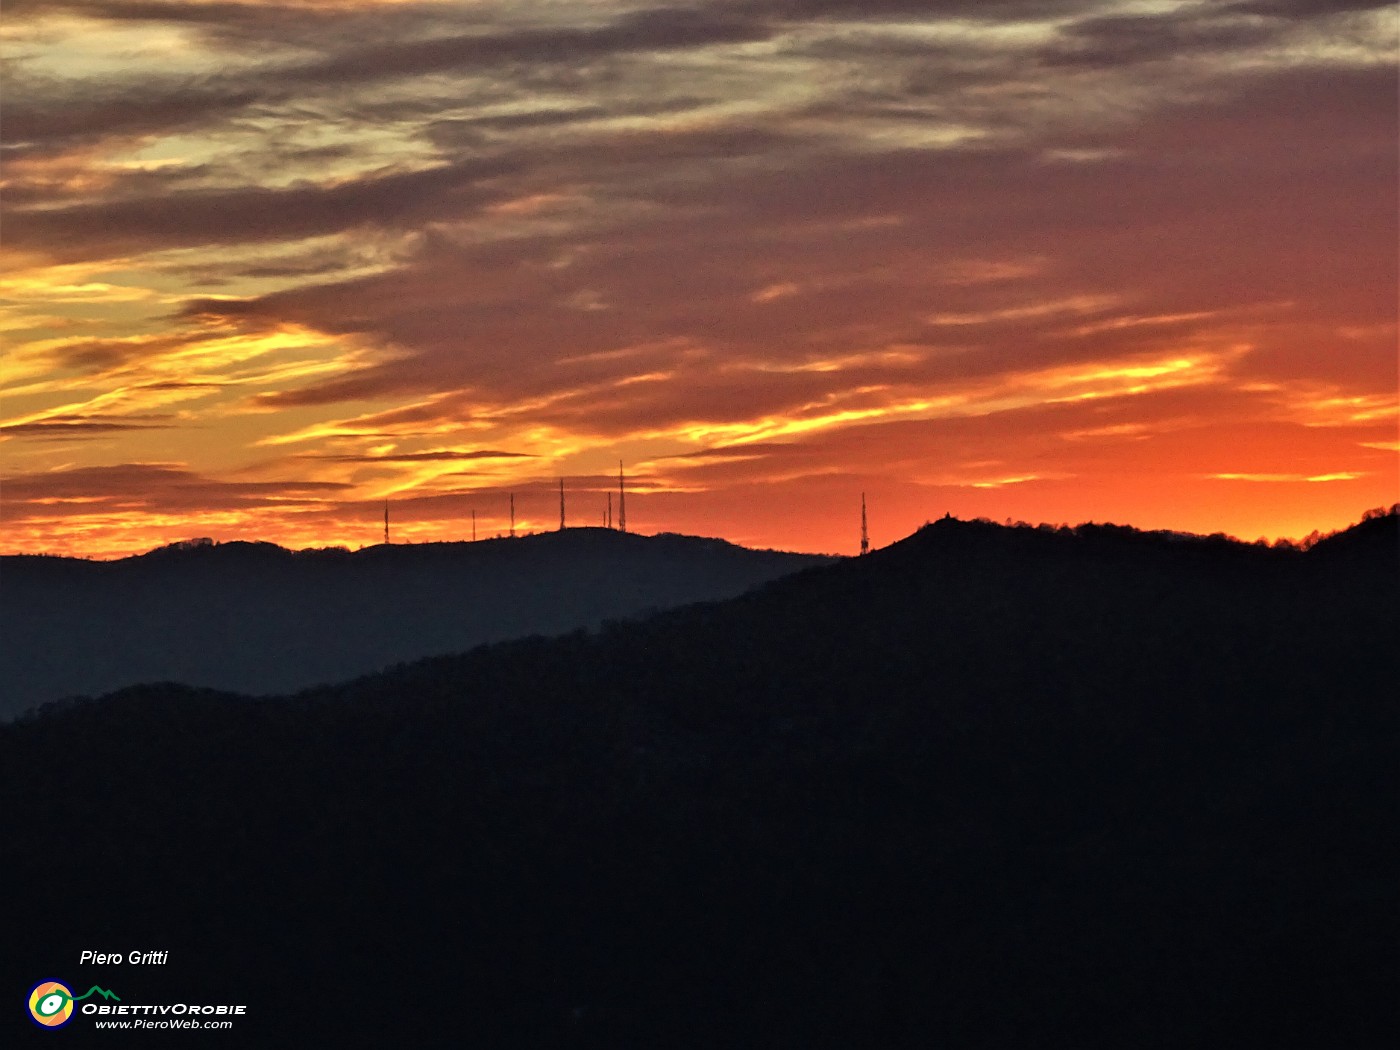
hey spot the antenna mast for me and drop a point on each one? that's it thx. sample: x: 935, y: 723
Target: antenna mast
x: 561, y: 504
x: 512, y: 513
x: 864, y: 532
x: 607, y: 518
x: 621, y: 500
x: 386, y: 521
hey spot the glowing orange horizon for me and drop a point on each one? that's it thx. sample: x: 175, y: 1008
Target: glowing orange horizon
x: 827, y: 523
x: 987, y: 263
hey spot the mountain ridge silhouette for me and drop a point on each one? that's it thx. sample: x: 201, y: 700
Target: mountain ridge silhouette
x: 257, y: 618
x: 985, y: 787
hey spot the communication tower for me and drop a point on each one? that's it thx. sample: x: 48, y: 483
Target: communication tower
x: 621, y: 499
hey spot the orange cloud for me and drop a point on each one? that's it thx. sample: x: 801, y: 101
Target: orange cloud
x: 1058, y: 264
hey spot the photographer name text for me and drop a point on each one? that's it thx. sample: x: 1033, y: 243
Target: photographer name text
x: 134, y: 958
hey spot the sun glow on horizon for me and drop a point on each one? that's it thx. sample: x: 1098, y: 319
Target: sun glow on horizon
x: 268, y: 265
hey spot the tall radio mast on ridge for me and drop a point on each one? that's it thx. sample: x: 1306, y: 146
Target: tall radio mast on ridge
x: 621, y: 500
x: 864, y: 532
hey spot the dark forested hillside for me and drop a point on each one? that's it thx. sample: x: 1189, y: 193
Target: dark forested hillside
x: 988, y: 787
x: 255, y: 618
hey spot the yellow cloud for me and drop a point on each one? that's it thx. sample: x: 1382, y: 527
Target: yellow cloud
x: 1339, y: 476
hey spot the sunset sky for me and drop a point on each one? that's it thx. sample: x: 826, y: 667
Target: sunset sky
x: 269, y: 264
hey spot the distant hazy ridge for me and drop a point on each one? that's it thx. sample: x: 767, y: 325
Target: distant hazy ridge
x: 256, y: 618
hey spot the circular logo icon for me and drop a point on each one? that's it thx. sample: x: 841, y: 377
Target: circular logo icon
x: 51, y: 1004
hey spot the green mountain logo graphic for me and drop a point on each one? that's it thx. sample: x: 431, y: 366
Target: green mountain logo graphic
x: 104, y: 992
